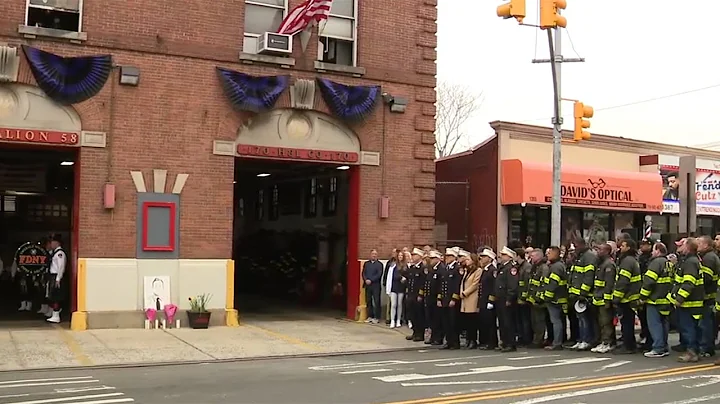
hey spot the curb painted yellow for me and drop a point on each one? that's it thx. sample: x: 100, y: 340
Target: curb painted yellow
x: 79, y: 317
x: 361, y: 308
x: 231, y: 315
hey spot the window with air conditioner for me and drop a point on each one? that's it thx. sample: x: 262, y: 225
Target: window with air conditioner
x: 338, y: 35
x: 63, y: 15
x: 261, y: 16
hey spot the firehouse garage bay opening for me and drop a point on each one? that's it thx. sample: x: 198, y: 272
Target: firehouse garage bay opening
x: 38, y: 194
x: 292, y: 191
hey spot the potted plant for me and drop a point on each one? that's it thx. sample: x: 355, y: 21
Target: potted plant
x: 198, y: 315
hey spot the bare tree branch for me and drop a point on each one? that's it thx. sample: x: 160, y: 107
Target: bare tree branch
x: 454, y: 106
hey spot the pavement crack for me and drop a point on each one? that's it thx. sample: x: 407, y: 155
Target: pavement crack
x: 20, y: 361
x: 190, y: 345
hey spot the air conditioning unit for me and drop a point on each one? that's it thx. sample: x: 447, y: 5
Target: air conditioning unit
x: 271, y: 43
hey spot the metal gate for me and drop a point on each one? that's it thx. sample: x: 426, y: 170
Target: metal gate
x: 452, y: 214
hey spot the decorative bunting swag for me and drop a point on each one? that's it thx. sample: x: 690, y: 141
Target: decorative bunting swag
x: 68, y: 80
x: 351, y: 103
x: 250, y: 93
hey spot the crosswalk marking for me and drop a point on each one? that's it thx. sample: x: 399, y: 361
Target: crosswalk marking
x: 442, y: 365
x: 11, y: 386
x: 61, y: 390
x: 613, y: 365
x: 355, y: 372
x: 56, y: 379
x: 76, y: 398
x: 492, y: 369
x: 357, y: 365
x: 522, y: 358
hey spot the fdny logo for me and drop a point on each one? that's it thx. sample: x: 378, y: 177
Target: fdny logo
x: 32, y: 258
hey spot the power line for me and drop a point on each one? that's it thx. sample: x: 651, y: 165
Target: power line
x: 572, y: 45
x: 663, y: 97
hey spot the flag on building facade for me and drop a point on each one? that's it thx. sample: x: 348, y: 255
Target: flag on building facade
x: 302, y: 16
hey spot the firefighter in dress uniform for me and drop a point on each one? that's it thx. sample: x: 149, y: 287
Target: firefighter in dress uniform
x: 55, y: 278
x: 448, y: 299
x: 505, y: 298
x: 31, y: 261
x: 415, y: 293
x: 432, y: 285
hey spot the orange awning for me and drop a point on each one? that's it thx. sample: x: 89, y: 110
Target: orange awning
x: 531, y: 183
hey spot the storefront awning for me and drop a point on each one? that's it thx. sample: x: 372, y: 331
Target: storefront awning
x: 531, y: 183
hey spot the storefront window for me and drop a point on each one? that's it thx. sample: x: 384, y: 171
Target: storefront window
x: 595, y: 227
x: 659, y: 226
x: 624, y: 223
x: 571, y: 226
x: 542, y: 240
x: 705, y: 225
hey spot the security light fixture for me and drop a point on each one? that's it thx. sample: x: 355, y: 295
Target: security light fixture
x: 67, y: 163
x: 263, y: 175
x: 129, y: 75
x: 397, y: 104
x: 343, y: 168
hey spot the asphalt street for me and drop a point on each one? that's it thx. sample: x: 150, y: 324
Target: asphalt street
x: 410, y: 377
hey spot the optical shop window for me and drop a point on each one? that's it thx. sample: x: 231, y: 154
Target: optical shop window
x: 596, y: 227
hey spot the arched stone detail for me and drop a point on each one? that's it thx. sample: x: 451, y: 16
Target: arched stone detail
x: 302, y: 129
x: 27, y: 107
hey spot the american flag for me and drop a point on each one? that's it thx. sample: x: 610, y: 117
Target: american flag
x: 303, y: 15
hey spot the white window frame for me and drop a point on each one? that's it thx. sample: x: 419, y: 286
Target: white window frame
x: 80, y: 16
x: 260, y: 4
x: 354, y: 40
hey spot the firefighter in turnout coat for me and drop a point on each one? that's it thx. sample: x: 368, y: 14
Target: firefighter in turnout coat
x: 538, y: 312
x: 604, y: 285
x: 582, y: 278
x: 415, y: 293
x: 688, y: 296
x: 710, y: 268
x: 626, y: 294
x: 524, y: 314
x: 656, y: 284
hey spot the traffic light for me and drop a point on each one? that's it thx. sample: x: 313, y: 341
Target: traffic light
x: 513, y: 9
x: 582, y: 112
x: 549, y: 16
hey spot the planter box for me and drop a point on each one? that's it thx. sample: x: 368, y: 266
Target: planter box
x: 198, y: 320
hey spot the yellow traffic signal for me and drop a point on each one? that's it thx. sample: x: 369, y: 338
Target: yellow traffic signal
x: 549, y: 17
x: 513, y: 9
x: 582, y: 112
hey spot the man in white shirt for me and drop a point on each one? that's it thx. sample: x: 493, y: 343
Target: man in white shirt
x: 56, y: 277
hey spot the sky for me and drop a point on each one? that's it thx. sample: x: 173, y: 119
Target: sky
x: 634, y: 52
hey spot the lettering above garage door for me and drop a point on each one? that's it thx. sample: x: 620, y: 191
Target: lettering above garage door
x: 288, y: 153
x: 39, y: 136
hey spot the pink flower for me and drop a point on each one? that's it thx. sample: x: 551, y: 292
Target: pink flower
x: 170, y: 310
x: 151, y: 314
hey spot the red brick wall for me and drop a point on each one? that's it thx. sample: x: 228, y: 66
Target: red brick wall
x: 480, y: 169
x: 170, y: 120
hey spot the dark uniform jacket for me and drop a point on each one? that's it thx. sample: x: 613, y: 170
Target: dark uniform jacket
x: 555, y: 288
x: 582, y: 273
x: 657, y: 283
x: 688, y: 288
x: 710, y: 268
x: 435, y: 283
x: 628, y: 280
x: 506, y: 283
x: 450, y: 283
x: 604, y: 283
x: 486, y: 287
x: 427, y: 285
x: 415, y: 276
x: 524, y: 275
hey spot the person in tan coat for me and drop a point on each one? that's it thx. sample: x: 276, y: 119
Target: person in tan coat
x: 469, y: 300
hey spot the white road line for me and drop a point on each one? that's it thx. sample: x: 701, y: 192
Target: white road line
x: 522, y: 358
x: 15, y: 395
x: 11, y: 386
x: 82, y: 389
x: 492, y: 369
x: 427, y: 384
x: 613, y: 365
x: 600, y: 390
x: 350, y: 366
x: 454, y: 364
x: 58, y: 379
x: 355, y: 372
x: 697, y: 399
x: 117, y: 400
x: 73, y: 399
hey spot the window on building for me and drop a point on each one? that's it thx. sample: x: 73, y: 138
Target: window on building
x: 337, y: 35
x: 330, y: 202
x: 65, y: 15
x: 260, y: 205
x: 311, y: 198
x: 274, y: 203
x: 261, y: 16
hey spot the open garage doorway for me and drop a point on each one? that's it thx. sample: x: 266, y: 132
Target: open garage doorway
x: 290, y: 236
x: 37, y: 198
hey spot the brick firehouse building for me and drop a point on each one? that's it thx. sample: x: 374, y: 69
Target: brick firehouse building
x: 160, y: 103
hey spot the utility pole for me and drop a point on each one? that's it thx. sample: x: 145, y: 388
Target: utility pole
x: 556, y: 60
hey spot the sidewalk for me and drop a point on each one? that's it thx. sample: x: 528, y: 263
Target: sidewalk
x: 37, y: 348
